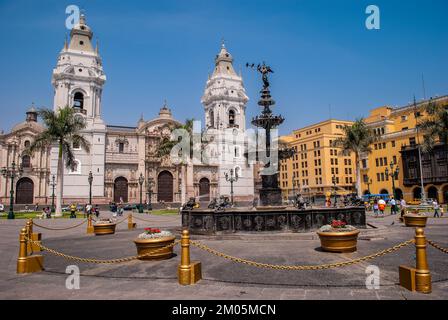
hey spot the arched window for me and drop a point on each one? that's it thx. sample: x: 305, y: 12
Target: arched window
x: 231, y: 117
x: 27, y: 143
x: 78, y: 100
x: 26, y: 162
x: 76, y: 168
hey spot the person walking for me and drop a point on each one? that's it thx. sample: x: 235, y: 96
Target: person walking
x: 393, y: 204
x: 402, y: 207
x: 375, y: 207
x: 381, y: 206
x: 436, y: 208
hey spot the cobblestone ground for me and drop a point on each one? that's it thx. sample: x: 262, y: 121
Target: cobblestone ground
x: 222, y: 279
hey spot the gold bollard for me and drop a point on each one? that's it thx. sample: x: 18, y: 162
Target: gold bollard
x: 422, y: 273
x: 188, y: 273
x: 131, y: 224
x: 35, y: 236
x: 29, y: 246
x: 89, y: 224
x: 25, y: 263
x: 418, y: 278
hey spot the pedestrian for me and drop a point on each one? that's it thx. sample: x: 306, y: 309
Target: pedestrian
x: 375, y: 207
x: 73, y: 211
x: 97, y: 211
x: 393, y: 208
x: 89, y: 209
x: 381, y: 206
x: 402, y: 207
x: 36, y: 207
x: 436, y: 208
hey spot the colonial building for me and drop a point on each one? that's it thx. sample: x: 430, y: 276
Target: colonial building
x: 119, y: 155
x: 398, y: 138
x: 316, y: 162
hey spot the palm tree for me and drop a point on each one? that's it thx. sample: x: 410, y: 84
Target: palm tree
x: 357, y: 139
x: 435, y: 126
x: 63, y: 129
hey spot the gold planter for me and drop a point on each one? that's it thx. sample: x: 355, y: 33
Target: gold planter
x: 415, y: 221
x: 145, y: 246
x: 339, y: 241
x: 102, y: 229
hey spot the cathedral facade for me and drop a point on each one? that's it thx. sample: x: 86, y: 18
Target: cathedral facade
x: 120, y: 155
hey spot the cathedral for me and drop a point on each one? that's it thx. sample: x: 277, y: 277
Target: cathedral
x: 120, y: 155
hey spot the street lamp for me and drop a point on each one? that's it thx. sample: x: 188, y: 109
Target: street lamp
x: 232, y: 178
x: 141, y: 180
x: 334, y: 189
x: 53, y: 185
x: 368, y: 183
x: 90, y: 179
x: 393, y: 173
x: 12, y: 173
x: 149, y: 185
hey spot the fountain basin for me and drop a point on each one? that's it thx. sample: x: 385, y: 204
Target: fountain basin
x: 274, y: 220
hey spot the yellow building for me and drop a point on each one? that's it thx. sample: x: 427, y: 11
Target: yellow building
x: 396, y: 131
x: 316, y: 161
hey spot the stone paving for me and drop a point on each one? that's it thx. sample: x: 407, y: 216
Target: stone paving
x: 222, y: 279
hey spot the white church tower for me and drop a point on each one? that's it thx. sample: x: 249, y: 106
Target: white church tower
x: 224, y: 102
x: 78, y: 81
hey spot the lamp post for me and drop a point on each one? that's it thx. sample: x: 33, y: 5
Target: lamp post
x: 393, y: 173
x: 368, y: 183
x: 149, y: 185
x: 293, y: 187
x: 334, y: 189
x: 231, y: 178
x: 422, y: 184
x: 53, y: 185
x: 90, y: 179
x: 141, y: 180
x: 12, y: 173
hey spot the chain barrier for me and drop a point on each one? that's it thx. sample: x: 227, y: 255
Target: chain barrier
x: 98, y: 261
x: 300, y: 267
x: 124, y: 219
x: 437, y: 246
x: 137, y: 218
x: 60, y: 229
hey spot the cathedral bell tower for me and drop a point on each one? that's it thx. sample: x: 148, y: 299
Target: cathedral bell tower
x: 224, y: 102
x: 78, y: 81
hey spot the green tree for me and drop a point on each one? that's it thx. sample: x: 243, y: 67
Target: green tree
x: 434, y: 126
x: 63, y: 129
x: 166, y: 145
x: 357, y: 139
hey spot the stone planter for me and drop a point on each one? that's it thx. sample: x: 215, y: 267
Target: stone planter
x: 415, y: 221
x: 339, y: 241
x: 145, y: 246
x: 104, y: 228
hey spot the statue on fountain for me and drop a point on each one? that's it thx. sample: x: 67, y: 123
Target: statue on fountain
x: 300, y: 202
x: 190, y: 205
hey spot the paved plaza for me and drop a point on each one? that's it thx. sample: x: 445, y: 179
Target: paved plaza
x: 222, y: 279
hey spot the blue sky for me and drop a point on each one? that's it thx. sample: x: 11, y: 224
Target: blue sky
x: 321, y: 52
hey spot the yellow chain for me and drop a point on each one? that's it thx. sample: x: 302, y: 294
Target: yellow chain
x: 59, y: 229
x: 301, y: 267
x: 137, y: 218
x: 437, y: 246
x: 97, y: 261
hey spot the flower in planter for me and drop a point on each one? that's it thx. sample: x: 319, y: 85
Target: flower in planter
x: 104, y: 221
x: 154, y: 233
x: 337, y: 226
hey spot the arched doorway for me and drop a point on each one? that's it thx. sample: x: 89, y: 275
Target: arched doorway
x: 417, y: 193
x: 433, y: 193
x: 165, y: 187
x: 445, y: 194
x: 399, y: 194
x: 25, y: 191
x: 384, y: 191
x: 366, y: 192
x: 121, y: 190
x: 204, y: 189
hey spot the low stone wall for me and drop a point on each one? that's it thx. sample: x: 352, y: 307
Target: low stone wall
x: 276, y: 220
